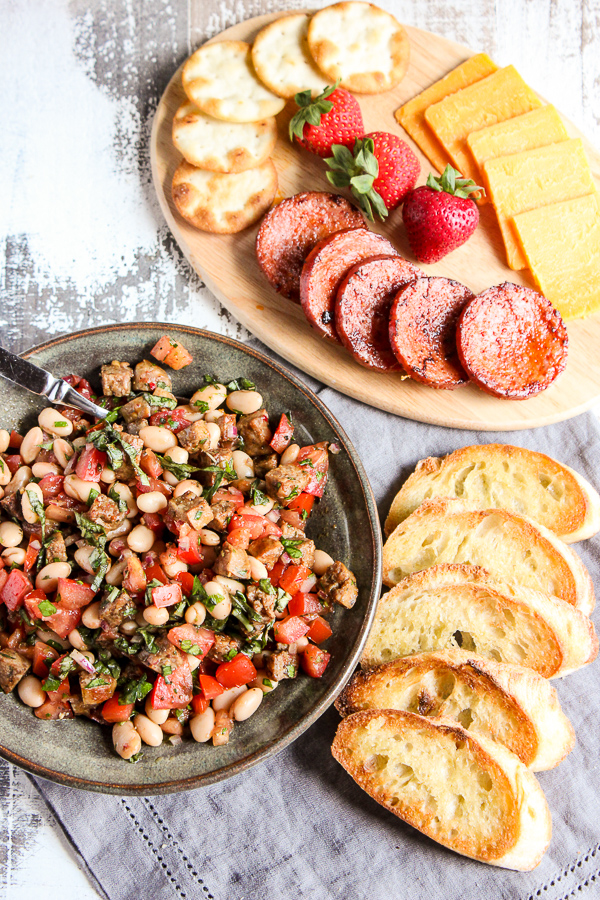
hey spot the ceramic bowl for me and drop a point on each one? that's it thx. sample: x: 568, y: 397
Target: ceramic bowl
x: 79, y: 753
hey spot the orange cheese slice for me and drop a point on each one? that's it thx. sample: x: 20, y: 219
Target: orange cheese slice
x: 412, y: 115
x: 493, y: 99
x: 533, y: 179
x: 569, y: 274
x: 527, y: 132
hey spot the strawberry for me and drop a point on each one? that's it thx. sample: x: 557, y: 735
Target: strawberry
x: 334, y: 117
x: 440, y: 216
x: 379, y: 173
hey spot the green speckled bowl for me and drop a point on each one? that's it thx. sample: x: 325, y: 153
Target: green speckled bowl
x: 78, y: 752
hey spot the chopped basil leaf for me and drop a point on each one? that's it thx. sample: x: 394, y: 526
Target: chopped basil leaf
x: 290, y: 671
x: 290, y: 545
x: 100, y: 563
x: 283, y: 598
x: 133, y: 690
x: 258, y: 497
x: 90, y: 531
x: 38, y: 508
x: 267, y: 682
x: 96, y: 682
x: 55, y: 645
x: 114, y: 495
x: 92, y: 496
x: 46, y: 608
x: 160, y: 402
x: 52, y: 683
x: 201, y: 405
x: 179, y: 470
x: 241, y: 384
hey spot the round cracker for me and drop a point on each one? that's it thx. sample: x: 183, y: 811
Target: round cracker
x: 282, y: 58
x: 364, y: 46
x: 223, y: 203
x: 220, y: 79
x: 210, y: 143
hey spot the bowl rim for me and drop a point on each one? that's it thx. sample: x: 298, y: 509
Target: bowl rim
x: 273, y: 747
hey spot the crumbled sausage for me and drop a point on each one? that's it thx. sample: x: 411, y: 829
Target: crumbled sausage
x: 223, y: 648
x: 255, y: 433
x: 91, y: 696
x: 105, y: 512
x: 286, y: 482
x: 282, y: 664
x: 228, y: 427
x: 195, y: 437
x: 56, y: 550
x: 134, y: 575
x: 13, y: 667
x: 125, y: 470
x: 306, y: 549
x: 264, y: 464
x: 262, y: 602
x: 222, y: 728
x: 232, y: 562
x: 267, y: 550
x: 338, y: 584
x: 189, y: 507
x: 290, y: 533
x: 136, y: 410
x: 149, y: 376
x: 113, y: 612
x: 166, y: 654
x: 222, y: 512
x: 116, y: 379
x: 222, y: 458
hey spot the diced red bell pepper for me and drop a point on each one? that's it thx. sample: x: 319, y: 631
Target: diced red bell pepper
x: 183, y: 636
x: 199, y: 704
x: 302, y: 503
x: 166, y: 595
x: 287, y: 631
x: 304, y: 605
x: 293, y: 577
x: 15, y: 440
x: 171, y: 352
x: 210, y: 686
x: 253, y: 524
x: 283, y: 435
x: 51, y: 486
x: 186, y: 580
x: 43, y: 655
x: 189, y: 548
x: 174, y: 694
x: 230, y: 494
x: 314, y: 460
x: 33, y: 548
x: 173, y: 419
x: 314, y: 661
x: 239, y: 538
x: 276, y: 572
x: 150, y: 464
x: 90, y: 463
x: 155, y: 573
x: 73, y: 594
x: 319, y: 630
x: 63, y: 621
x: 153, y: 485
x: 16, y: 587
x: 54, y: 709
x: 113, y: 711
x: 13, y: 462
x: 240, y: 670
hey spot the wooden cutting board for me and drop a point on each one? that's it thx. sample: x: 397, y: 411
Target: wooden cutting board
x: 227, y: 265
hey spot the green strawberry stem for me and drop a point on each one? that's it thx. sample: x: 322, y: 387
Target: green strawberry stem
x: 452, y: 182
x: 310, y: 111
x: 357, y: 171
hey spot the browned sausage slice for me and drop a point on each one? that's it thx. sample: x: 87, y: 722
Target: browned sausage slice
x: 326, y: 265
x: 290, y: 230
x: 512, y: 341
x: 362, y: 309
x: 423, y: 330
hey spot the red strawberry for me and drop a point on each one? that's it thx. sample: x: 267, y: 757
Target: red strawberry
x: 440, y: 216
x: 380, y: 172
x: 334, y: 117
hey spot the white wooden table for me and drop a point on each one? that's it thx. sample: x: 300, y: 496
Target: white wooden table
x: 82, y: 236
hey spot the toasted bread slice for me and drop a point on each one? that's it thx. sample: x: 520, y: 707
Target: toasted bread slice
x: 508, y: 546
x: 493, y: 476
x: 469, y: 794
x: 450, y: 606
x: 509, y: 704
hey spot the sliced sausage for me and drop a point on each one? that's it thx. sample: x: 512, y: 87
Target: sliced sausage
x: 290, y: 230
x: 423, y: 322
x: 326, y: 265
x: 512, y: 341
x: 362, y: 309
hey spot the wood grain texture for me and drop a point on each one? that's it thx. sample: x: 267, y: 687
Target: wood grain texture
x: 228, y: 266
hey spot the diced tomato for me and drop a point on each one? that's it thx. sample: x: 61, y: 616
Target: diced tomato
x: 33, y: 548
x: 287, y: 631
x: 81, y: 385
x: 293, y: 577
x: 283, y: 435
x: 113, y: 711
x: 32, y: 601
x: 253, y: 524
x: 294, y: 518
x: 43, y: 655
x: 304, y: 604
x: 51, y: 486
x: 315, y: 460
x: 239, y: 538
x: 155, y: 573
x: 210, y: 686
x: 16, y: 586
x: 154, y: 522
x: 173, y: 419
x: 240, y: 670
x: 63, y: 621
x: 230, y: 494
x: 202, y: 638
x: 90, y: 463
x: 13, y: 462
x: 54, y: 709
x: 276, y: 572
x: 171, y: 352
x: 174, y: 694
x: 314, y: 661
x: 134, y: 576
x: 15, y: 440
x: 73, y: 594
x: 149, y: 463
x: 302, y: 503
x: 189, y: 548
x: 199, y: 704
x: 166, y: 595
x: 186, y: 580
x: 319, y: 630
x: 270, y: 529
x: 3, y: 578
x: 154, y: 484
x: 62, y: 691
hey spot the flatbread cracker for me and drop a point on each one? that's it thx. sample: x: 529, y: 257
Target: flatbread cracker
x: 282, y: 59
x: 220, y: 203
x: 359, y: 43
x: 210, y: 143
x: 220, y: 79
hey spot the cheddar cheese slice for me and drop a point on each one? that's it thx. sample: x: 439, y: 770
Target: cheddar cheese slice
x: 493, y: 99
x: 412, y: 115
x: 532, y: 179
x: 568, y: 276
x: 537, y: 128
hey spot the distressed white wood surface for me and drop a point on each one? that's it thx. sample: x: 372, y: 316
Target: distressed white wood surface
x: 83, y: 241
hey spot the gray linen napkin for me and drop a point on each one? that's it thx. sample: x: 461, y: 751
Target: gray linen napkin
x: 297, y: 826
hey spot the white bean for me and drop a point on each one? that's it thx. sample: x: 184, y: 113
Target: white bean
x: 11, y: 534
x: 243, y: 464
x: 5, y: 473
x: 321, y: 562
x: 209, y: 538
x: 258, y: 569
x: 301, y: 644
x: 214, y: 433
x: 22, y: 476
x: 54, y: 423
x: 158, y: 716
x: 258, y: 509
x: 83, y: 557
x: 195, y: 614
x: 149, y: 731
x: 230, y: 583
x: 188, y: 485
x: 224, y: 700
x: 193, y: 662
x: 140, y: 539
x: 213, y: 416
x: 289, y: 455
x: 128, y: 628
x: 211, y: 394
x: 79, y: 442
x: 178, y: 455
x: 47, y: 577
x: 155, y: 615
x: 202, y: 725
x: 4, y: 440
x: 90, y: 617
x: 115, y: 574
x: 31, y: 493
x: 152, y: 502
x: 170, y: 478
x: 221, y: 609
x: 125, y: 494
x: 126, y: 740
x: 63, y: 451
x: 172, y: 569
x: 45, y: 635
x: 247, y: 704
x: 245, y: 402
x: 76, y: 640
x: 157, y: 438
x: 30, y: 691
x: 14, y: 556
x: 40, y: 469
x: 78, y: 489
x: 107, y: 476
x: 32, y: 444
x: 264, y: 681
